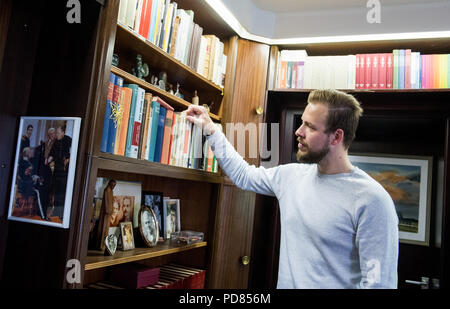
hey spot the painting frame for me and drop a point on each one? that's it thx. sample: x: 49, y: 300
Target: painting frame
x: 45, y: 188
x: 421, y: 189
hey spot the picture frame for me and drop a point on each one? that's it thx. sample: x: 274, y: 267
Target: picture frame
x: 111, y: 244
x: 126, y: 231
x: 44, y: 170
x: 172, y: 217
x: 148, y: 226
x: 155, y: 201
x: 408, y: 180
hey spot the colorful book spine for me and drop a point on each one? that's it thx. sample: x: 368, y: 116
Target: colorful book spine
x: 395, y: 70
x: 130, y: 129
x: 382, y: 72
x: 160, y: 133
x: 108, y: 109
x: 118, y: 84
x: 153, y: 130
x: 144, y: 152
x: 375, y: 71
x: 407, y: 76
x: 127, y: 95
x: 389, y: 70
x: 368, y: 71
x: 134, y: 149
x: 166, y: 137
x: 401, y: 69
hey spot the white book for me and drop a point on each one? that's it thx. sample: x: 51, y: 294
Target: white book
x: 181, y: 140
x: 149, y: 131
x: 123, y: 11
x: 181, y: 35
x: 131, y: 13
x: 307, y: 73
x: 224, y: 70
x: 201, y: 55
x: 217, y: 62
x: 175, y: 139
x: 137, y: 20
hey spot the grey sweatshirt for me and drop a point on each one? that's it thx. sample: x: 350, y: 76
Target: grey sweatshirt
x: 337, y: 231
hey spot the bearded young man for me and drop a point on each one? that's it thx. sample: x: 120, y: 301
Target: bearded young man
x: 339, y: 227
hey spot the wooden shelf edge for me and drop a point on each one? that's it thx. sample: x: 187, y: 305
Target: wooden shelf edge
x: 152, y: 88
x: 112, y: 162
x: 368, y: 90
x: 164, y: 54
x: 122, y: 257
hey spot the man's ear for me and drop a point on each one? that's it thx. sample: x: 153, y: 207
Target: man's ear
x: 337, y: 137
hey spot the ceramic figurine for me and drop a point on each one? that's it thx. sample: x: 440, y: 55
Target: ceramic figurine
x: 141, y: 70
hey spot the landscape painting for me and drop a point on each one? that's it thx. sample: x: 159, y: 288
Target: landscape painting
x: 408, y: 182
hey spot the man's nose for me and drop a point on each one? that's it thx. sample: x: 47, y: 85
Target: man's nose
x: 300, y: 131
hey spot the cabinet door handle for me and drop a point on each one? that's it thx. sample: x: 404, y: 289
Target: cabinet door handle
x: 245, y: 260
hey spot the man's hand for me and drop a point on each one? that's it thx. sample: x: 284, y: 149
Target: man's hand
x: 199, y: 116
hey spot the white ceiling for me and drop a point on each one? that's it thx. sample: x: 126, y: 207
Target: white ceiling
x: 289, y: 6
x: 282, y: 19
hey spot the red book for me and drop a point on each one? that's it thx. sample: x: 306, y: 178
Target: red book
x: 407, y: 69
x: 375, y: 69
x: 389, y: 73
x: 357, y: 73
x: 163, y: 103
x: 431, y: 69
x: 362, y: 71
x: 368, y: 72
x: 146, y: 13
x: 382, y: 71
x: 166, y: 137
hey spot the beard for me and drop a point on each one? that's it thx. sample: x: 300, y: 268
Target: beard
x: 311, y: 157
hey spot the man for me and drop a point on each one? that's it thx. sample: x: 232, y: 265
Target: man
x: 128, y: 206
x: 25, y: 140
x: 338, y: 225
x: 149, y: 227
x: 60, y: 155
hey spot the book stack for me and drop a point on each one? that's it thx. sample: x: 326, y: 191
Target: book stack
x: 134, y: 275
x: 142, y: 126
x: 401, y: 69
x: 175, y: 276
x: 174, y: 31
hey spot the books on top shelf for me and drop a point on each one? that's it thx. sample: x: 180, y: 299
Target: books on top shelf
x: 173, y: 30
x: 139, y: 125
x: 401, y: 69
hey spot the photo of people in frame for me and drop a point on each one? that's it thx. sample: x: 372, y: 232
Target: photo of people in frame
x: 44, y: 170
x: 148, y: 226
x: 154, y: 200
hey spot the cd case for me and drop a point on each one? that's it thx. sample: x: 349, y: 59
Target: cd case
x: 185, y: 237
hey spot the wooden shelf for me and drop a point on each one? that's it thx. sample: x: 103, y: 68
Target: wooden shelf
x: 112, y: 162
x: 96, y: 259
x: 172, y: 100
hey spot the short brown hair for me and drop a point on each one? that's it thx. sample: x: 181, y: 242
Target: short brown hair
x: 343, y: 112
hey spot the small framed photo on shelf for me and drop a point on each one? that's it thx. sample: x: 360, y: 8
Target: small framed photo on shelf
x: 154, y: 200
x: 172, y: 216
x: 126, y: 229
x: 44, y: 170
x: 407, y: 179
x: 148, y: 226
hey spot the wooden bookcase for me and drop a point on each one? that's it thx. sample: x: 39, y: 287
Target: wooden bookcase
x: 197, y: 190
x: 403, y: 122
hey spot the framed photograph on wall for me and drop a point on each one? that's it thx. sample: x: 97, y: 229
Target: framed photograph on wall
x: 44, y: 170
x: 154, y: 200
x: 407, y: 179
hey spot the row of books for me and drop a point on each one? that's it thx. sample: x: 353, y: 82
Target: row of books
x: 174, y: 31
x: 401, y: 69
x: 172, y: 276
x: 142, y: 126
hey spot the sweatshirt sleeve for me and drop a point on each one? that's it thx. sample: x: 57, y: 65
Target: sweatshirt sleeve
x: 245, y: 176
x: 377, y: 243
